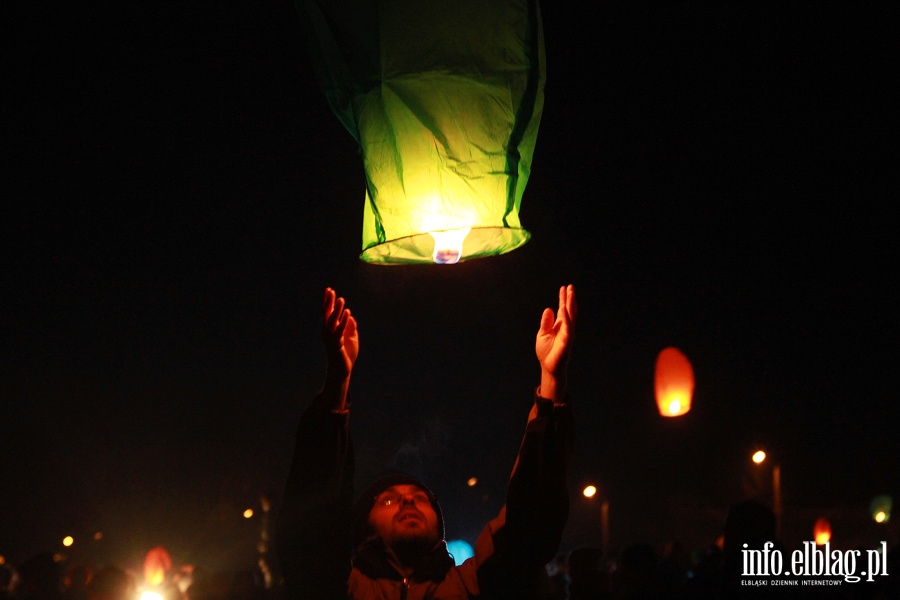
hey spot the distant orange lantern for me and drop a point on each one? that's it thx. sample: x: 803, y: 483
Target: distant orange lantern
x: 156, y: 564
x: 822, y: 531
x: 674, y: 383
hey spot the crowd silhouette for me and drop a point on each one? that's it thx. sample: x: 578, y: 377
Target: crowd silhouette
x: 638, y: 571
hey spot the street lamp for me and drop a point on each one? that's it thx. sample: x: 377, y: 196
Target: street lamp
x: 589, y: 492
x: 880, y: 508
x: 759, y: 457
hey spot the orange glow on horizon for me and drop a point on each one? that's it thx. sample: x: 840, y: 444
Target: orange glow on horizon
x: 822, y: 531
x: 156, y: 564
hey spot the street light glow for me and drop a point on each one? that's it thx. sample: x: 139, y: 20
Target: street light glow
x: 472, y: 481
x: 589, y: 491
x: 248, y: 513
x: 68, y: 541
x: 880, y: 516
x: 759, y: 456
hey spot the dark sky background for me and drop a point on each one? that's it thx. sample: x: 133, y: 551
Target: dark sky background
x: 710, y: 175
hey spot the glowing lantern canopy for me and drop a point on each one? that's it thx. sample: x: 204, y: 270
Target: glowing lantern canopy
x: 156, y: 564
x: 822, y: 531
x: 444, y: 99
x: 674, y: 383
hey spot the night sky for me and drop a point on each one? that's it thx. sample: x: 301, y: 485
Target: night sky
x: 711, y: 176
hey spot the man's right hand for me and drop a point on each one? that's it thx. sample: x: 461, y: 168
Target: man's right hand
x: 341, y: 341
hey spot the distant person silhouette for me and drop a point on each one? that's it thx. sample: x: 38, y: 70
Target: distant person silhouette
x: 40, y: 578
x: 587, y: 578
x: 111, y: 583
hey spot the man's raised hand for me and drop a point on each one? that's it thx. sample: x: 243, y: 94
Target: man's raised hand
x: 341, y: 341
x: 553, y: 344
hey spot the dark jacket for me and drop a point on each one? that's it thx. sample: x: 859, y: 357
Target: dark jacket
x: 314, y: 528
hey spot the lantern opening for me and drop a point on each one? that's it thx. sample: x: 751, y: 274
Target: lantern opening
x: 420, y: 248
x: 675, y: 406
x: 448, y: 245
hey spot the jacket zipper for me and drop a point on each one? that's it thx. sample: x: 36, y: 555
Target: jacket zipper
x: 404, y: 587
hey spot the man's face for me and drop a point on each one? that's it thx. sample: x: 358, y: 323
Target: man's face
x: 403, y: 513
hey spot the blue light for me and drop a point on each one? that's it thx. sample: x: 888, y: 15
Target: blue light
x: 460, y: 550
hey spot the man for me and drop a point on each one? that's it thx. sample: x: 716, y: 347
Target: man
x: 391, y: 543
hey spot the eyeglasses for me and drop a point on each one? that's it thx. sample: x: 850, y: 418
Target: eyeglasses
x: 396, y: 498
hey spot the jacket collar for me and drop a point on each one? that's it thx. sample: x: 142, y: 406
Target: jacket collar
x: 372, y: 559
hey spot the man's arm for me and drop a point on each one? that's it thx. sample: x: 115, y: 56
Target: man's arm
x: 553, y: 345
x: 313, y: 526
x: 516, y: 545
x: 341, y: 341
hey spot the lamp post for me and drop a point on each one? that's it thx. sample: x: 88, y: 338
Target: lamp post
x: 880, y: 508
x: 590, y: 492
x: 759, y: 457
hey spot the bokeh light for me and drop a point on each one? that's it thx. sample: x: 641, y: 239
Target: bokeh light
x: 460, y: 550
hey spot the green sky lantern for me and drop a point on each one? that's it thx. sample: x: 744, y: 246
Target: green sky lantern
x: 444, y: 99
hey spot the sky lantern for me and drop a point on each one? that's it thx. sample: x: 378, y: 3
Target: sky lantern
x: 156, y: 564
x: 444, y: 99
x: 674, y: 383
x: 822, y: 531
